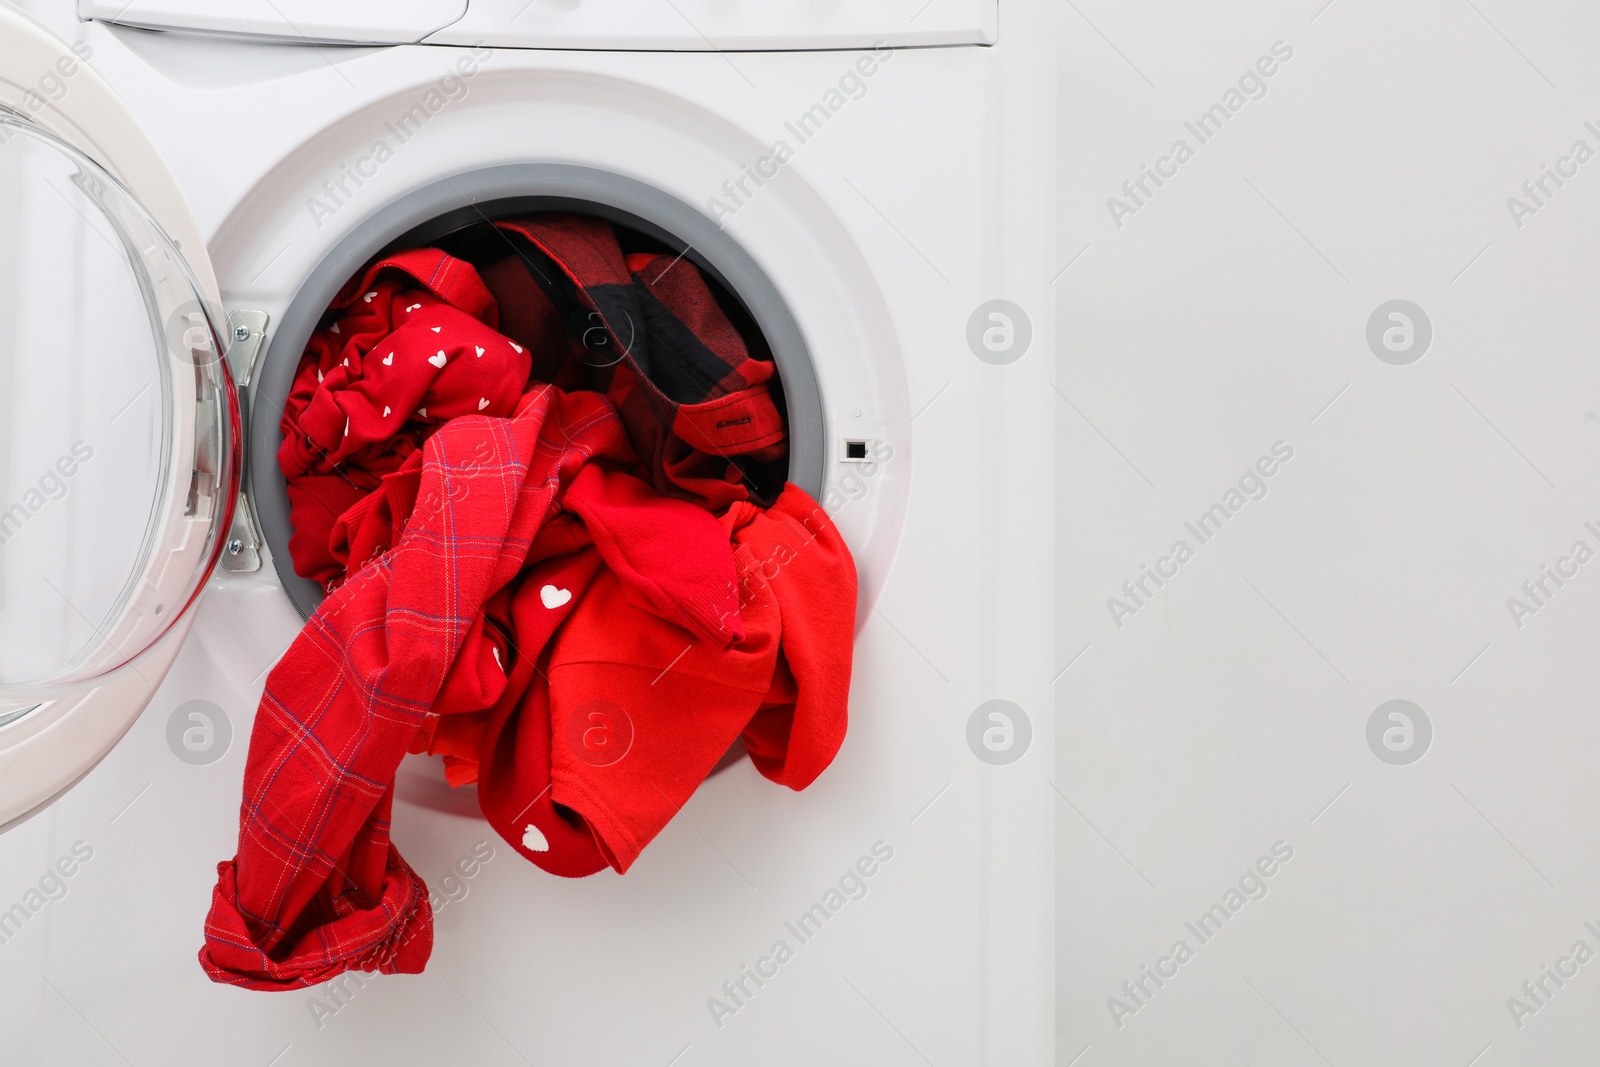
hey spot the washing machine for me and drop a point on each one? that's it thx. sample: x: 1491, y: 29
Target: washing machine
x: 187, y: 186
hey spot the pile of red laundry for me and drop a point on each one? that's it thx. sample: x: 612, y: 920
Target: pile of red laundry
x: 539, y: 471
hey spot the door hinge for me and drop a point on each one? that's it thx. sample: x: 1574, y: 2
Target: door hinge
x: 246, y: 341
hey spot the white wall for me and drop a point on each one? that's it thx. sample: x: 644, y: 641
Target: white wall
x: 1231, y: 711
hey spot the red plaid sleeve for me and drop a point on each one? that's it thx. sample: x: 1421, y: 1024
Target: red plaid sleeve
x: 317, y: 887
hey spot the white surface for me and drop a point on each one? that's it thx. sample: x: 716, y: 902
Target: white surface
x: 885, y: 231
x: 1230, y: 713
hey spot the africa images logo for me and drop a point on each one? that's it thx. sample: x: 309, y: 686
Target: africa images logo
x: 1251, y: 485
x: 52, y: 886
x: 51, y: 485
x: 852, y: 885
x: 1252, y: 85
x: 1251, y: 886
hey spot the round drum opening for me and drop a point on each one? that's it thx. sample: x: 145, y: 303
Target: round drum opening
x: 457, y: 211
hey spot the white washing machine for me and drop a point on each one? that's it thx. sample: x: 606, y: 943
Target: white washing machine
x: 187, y: 185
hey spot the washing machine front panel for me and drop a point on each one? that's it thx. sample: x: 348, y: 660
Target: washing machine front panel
x: 882, y: 327
x: 118, y: 427
x: 874, y: 238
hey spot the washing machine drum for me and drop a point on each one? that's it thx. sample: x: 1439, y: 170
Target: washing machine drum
x: 118, y: 422
x: 460, y: 215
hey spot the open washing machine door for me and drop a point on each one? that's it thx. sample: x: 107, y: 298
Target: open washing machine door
x: 119, y: 424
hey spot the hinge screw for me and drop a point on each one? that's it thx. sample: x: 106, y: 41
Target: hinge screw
x: 241, y: 333
x: 235, y: 547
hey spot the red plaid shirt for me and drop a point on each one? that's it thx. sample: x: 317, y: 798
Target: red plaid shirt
x: 317, y: 887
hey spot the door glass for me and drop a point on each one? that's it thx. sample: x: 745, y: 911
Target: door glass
x: 117, y: 423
